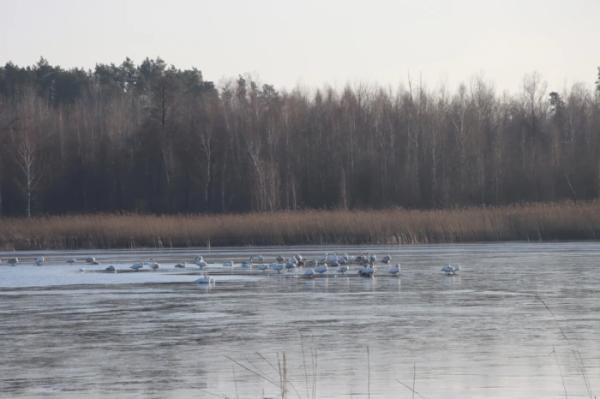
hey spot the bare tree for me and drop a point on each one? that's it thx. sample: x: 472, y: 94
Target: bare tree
x: 26, y: 158
x: 31, y: 116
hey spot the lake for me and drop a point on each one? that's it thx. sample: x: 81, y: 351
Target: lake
x: 520, y: 320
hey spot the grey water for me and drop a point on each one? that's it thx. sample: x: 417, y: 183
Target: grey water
x: 520, y: 320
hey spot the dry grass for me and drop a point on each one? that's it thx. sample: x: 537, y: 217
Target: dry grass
x: 532, y: 222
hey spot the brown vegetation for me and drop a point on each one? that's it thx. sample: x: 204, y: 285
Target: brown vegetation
x: 535, y: 222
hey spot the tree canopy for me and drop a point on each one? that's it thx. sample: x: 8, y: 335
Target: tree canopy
x: 155, y: 138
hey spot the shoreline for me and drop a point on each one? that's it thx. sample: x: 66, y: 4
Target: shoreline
x: 535, y: 222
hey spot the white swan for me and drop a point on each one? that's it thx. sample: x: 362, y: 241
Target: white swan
x: 450, y: 270
x: 321, y: 269
x: 366, y: 271
x: 309, y: 273
x: 205, y: 279
x: 291, y: 264
x: 394, y: 270
x: 343, y: 268
x: 200, y: 262
x: 136, y: 266
x: 278, y: 267
x: 332, y: 260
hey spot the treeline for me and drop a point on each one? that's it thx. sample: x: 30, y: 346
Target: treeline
x: 154, y: 138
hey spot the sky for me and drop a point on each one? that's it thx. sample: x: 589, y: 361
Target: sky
x: 313, y: 43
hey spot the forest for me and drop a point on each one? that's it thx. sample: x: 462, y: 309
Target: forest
x: 152, y: 138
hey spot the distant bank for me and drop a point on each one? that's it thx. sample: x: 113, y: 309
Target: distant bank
x: 530, y: 222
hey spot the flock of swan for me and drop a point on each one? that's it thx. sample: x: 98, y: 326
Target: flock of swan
x: 324, y: 265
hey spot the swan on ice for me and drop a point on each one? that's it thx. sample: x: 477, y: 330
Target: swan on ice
x: 394, y: 270
x: 366, y: 271
x: 205, y: 279
x: 321, y: 269
x: 450, y: 270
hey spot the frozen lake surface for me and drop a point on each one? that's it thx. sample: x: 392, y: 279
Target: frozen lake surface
x: 519, y: 321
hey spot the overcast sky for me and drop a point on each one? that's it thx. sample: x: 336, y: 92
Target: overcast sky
x: 311, y: 43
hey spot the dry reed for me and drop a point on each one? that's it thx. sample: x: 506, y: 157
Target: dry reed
x: 529, y: 222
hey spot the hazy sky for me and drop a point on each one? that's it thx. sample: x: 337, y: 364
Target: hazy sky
x: 310, y: 42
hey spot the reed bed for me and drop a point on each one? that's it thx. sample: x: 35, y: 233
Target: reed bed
x: 528, y: 222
